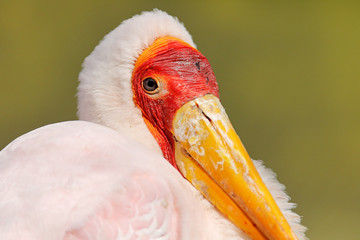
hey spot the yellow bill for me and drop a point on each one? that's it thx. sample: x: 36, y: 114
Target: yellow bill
x: 210, y: 155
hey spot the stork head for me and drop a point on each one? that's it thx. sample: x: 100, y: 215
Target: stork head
x: 147, y: 80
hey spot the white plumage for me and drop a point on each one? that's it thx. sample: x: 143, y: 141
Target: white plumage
x: 80, y: 180
x: 105, y: 94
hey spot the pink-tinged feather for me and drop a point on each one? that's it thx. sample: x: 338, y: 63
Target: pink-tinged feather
x: 143, y: 210
x: 79, y: 180
x: 82, y: 181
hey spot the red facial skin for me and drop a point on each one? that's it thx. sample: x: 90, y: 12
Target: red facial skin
x: 183, y: 74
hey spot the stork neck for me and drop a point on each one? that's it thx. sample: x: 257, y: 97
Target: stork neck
x: 165, y: 140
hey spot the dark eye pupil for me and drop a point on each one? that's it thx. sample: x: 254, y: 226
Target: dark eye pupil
x: 150, y: 84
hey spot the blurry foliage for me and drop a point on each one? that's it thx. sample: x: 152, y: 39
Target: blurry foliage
x: 288, y: 74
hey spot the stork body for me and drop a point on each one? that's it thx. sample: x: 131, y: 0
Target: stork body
x: 81, y: 180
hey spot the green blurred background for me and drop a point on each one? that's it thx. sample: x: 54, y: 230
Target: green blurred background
x: 288, y: 71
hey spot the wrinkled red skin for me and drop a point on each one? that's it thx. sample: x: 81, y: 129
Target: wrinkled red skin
x: 185, y: 74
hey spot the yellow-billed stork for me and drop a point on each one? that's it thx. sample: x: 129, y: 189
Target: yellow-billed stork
x: 154, y: 157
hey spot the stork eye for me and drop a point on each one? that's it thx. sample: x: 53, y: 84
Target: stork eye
x: 150, y: 85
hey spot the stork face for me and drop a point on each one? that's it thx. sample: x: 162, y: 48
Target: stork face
x: 177, y: 93
x: 167, y: 75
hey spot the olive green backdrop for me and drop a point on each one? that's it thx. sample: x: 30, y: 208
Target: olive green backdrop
x: 289, y: 76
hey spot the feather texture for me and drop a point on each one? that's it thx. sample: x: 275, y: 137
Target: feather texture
x: 79, y: 180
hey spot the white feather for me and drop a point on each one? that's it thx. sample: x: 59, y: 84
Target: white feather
x: 105, y: 94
